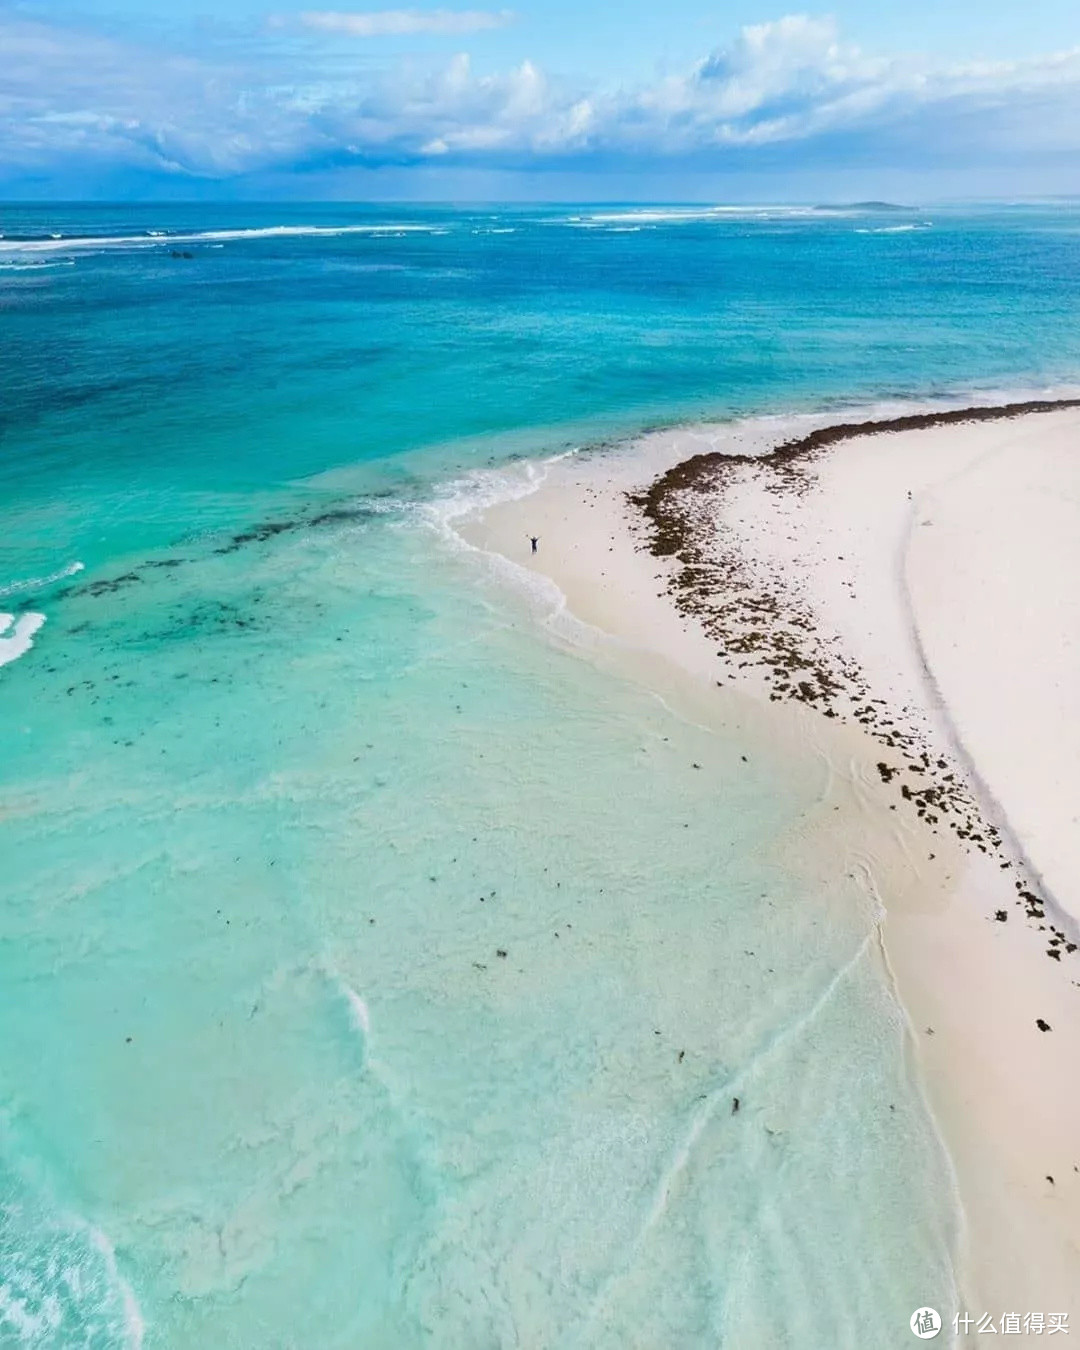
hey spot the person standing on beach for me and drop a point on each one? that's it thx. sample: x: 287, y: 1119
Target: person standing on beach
x: 534, y: 539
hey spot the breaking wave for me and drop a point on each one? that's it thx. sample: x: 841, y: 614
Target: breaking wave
x: 87, y: 243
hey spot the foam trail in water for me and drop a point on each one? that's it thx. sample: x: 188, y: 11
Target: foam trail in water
x: 359, y: 1014
x: 703, y: 1116
x: 30, y: 265
x: 895, y: 229
x: 678, y: 216
x: 358, y: 1010
x: 58, y: 244
x: 475, y: 491
x: 36, y: 583
x: 21, y: 638
x: 134, y: 1324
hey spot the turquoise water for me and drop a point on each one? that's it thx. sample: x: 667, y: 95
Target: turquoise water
x: 285, y: 773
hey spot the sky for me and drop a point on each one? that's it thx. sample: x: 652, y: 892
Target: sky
x: 673, y: 100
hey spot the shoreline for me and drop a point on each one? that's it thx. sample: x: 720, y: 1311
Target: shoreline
x: 740, y: 589
x: 675, y: 534
x: 801, y: 448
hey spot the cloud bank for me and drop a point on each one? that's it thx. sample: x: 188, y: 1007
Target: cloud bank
x: 404, y: 22
x: 790, y: 93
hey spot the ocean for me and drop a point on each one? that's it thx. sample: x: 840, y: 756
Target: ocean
x: 377, y: 971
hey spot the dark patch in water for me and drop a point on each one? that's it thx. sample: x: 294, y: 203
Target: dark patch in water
x: 257, y: 534
x: 105, y: 586
x: 217, y: 616
x: 341, y: 516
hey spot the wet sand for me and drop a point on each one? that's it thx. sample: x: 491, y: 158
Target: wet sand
x: 900, y: 596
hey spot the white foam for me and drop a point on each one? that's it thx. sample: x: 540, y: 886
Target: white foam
x: 360, y: 1017
x: 359, y: 1010
x: 687, y: 215
x: 134, y: 1325
x: 49, y: 1283
x: 474, y: 493
x: 119, y: 241
x: 35, y: 583
x: 32, y: 1328
x: 480, y: 489
x: 32, y: 266
x: 895, y: 229
x: 21, y: 638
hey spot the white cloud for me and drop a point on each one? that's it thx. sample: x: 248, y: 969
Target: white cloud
x: 404, y: 22
x: 790, y: 89
x: 794, y: 80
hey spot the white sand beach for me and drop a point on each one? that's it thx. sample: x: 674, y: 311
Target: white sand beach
x: 905, y: 603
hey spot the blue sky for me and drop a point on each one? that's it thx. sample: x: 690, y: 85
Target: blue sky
x: 679, y: 100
